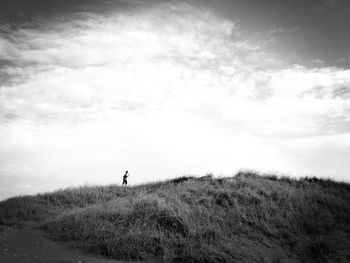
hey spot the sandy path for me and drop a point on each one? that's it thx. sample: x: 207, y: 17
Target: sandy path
x: 30, y: 244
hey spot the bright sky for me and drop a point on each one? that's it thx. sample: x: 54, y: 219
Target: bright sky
x: 169, y: 88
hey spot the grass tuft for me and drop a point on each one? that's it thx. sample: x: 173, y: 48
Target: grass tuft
x: 198, y: 219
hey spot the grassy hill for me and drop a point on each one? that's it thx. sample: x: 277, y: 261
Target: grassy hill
x: 245, y: 218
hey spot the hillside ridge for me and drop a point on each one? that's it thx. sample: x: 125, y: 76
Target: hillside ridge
x: 249, y: 217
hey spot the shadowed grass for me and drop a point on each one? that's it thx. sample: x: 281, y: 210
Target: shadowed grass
x: 188, y: 219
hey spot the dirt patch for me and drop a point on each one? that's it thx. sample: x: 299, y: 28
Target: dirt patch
x: 29, y: 244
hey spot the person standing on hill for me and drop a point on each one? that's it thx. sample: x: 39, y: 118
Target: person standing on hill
x: 125, y: 176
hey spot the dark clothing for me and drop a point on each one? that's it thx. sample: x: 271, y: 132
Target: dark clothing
x: 124, y: 179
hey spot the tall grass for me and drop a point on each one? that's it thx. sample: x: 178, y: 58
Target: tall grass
x: 205, y: 219
x: 48, y: 205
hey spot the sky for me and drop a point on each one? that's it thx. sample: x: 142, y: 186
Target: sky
x: 89, y: 89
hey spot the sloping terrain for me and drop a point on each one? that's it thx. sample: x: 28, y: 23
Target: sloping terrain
x: 30, y: 244
x: 245, y: 218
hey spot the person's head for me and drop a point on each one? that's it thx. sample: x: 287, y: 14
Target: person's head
x: 126, y: 172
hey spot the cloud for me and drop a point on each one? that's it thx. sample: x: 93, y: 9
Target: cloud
x: 168, y: 83
x: 342, y: 92
x: 167, y: 54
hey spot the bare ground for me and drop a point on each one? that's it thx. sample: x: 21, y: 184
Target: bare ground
x: 29, y: 244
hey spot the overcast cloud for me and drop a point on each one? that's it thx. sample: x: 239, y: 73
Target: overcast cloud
x: 161, y: 89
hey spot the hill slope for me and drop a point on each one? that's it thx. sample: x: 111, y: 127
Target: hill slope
x: 245, y: 218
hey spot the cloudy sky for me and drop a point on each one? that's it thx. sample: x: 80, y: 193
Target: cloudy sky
x: 91, y: 88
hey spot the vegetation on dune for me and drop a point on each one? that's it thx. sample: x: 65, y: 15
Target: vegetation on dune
x: 245, y: 218
x: 43, y: 206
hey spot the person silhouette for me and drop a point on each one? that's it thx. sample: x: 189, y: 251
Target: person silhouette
x: 125, y: 176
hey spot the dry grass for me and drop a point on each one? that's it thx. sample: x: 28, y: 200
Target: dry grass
x: 198, y: 219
